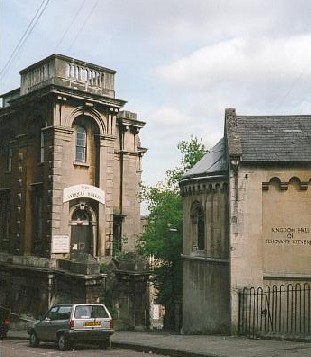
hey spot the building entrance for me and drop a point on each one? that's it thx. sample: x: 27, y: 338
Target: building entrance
x: 81, y: 232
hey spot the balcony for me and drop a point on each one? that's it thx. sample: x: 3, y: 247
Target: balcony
x: 68, y: 72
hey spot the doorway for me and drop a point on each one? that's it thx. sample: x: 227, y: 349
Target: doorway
x: 81, y: 232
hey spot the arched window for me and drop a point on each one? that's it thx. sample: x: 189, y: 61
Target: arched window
x: 200, y: 229
x: 197, y: 215
x: 80, y: 144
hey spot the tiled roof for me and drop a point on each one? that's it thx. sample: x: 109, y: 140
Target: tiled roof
x: 213, y: 163
x: 274, y: 138
x: 262, y: 139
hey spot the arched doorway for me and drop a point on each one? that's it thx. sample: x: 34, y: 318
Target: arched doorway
x: 81, y: 231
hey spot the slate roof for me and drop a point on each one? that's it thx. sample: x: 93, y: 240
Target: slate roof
x: 274, y: 138
x: 257, y: 139
x: 213, y: 163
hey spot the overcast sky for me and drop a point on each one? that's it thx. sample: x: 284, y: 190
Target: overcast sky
x: 179, y: 63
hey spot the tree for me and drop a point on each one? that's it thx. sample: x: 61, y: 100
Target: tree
x: 162, y: 238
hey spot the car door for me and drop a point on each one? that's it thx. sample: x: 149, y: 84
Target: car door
x: 60, y: 322
x: 44, y: 327
x: 56, y: 319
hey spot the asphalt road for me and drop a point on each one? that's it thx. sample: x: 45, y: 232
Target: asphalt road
x: 18, y: 348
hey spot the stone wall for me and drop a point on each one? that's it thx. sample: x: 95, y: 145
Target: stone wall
x: 206, y: 292
x: 206, y: 297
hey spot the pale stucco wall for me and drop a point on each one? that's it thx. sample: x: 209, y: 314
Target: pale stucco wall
x: 267, y: 199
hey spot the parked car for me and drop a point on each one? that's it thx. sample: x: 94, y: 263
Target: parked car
x: 67, y: 324
x: 4, y: 322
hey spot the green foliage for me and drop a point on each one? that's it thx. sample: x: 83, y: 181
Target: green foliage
x: 162, y: 238
x: 165, y: 208
x: 104, y: 268
x: 192, y: 151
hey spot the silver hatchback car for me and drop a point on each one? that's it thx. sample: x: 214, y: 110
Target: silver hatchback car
x: 66, y: 324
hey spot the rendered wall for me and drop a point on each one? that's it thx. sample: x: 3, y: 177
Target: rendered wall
x: 287, y: 228
x: 270, y: 237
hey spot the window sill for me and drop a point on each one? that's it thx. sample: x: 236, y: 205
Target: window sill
x: 218, y: 261
x: 83, y: 164
x: 199, y: 253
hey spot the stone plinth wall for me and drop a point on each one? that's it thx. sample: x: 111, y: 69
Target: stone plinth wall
x: 206, y: 301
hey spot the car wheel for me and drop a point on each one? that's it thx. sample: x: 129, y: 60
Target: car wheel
x: 33, y: 339
x: 63, y: 343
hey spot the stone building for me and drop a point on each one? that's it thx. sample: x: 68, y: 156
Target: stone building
x: 247, y: 217
x: 70, y: 168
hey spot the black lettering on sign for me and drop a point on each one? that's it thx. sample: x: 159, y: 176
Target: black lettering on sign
x: 290, y: 236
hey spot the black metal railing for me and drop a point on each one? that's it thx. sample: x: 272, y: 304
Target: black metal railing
x: 278, y: 310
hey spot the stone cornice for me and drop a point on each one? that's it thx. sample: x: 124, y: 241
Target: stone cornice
x: 201, y: 187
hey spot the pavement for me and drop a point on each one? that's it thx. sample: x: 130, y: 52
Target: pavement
x: 178, y: 345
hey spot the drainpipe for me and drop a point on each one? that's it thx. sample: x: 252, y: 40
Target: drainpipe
x: 121, y: 140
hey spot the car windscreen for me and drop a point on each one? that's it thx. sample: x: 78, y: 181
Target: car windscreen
x: 90, y: 311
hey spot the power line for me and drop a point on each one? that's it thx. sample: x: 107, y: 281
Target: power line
x: 25, y: 36
x: 84, y: 23
x: 70, y: 25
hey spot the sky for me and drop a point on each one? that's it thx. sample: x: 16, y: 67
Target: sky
x: 179, y: 63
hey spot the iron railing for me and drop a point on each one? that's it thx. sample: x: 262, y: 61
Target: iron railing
x: 278, y: 311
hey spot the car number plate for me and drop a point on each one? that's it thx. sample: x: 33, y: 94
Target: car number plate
x: 91, y: 323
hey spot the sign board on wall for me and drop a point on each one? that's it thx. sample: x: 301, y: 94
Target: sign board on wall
x: 84, y: 191
x: 60, y: 244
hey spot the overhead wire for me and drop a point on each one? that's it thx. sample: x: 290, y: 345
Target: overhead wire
x: 25, y: 36
x: 70, y: 25
x: 84, y: 23
x: 289, y: 89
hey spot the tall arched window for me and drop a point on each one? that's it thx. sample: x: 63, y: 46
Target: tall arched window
x: 80, y: 144
x: 197, y: 215
x: 200, y: 229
